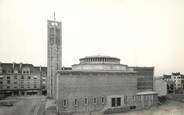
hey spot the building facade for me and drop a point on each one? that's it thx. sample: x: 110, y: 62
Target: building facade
x: 175, y: 82
x: 145, y: 78
x: 161, y: 87
x: 101, y: 84
x: 178, y: 79
x: 54, y: 43
x: 21, y: 79
x: 170, y: 84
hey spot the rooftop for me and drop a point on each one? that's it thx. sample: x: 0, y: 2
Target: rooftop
x: 99, y: 59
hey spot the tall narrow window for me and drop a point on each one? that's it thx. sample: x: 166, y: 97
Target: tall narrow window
x: 75, y: 102
x: 118, y: 101
x: 125, y: 99
x: 86, y: 101
x: 102, y: 100
x: 64, y: 102
x: 95, y: 100
x: 113, y: 102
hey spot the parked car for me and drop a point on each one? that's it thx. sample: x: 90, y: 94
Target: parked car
x: 6, y: 103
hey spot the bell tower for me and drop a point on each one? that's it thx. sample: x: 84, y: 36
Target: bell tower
x: 54, y: 53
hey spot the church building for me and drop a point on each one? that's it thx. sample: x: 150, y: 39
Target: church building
x: 98, y: 84
x: 102, y: 84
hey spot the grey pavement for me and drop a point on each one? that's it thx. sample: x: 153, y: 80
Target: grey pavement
x: 169, y: 108
x: 27, y: 105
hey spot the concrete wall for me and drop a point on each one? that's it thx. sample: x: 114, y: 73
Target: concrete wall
x: 81, y: 85
x: 99, y: 67
x: 54, y: 42
x: 145, y: 78
x: 161, y: 87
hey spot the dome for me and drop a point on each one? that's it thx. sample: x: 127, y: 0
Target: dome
x: 99, y: 63
x: 99, y: 59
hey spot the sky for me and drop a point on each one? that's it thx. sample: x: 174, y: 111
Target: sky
x: 139, y: 32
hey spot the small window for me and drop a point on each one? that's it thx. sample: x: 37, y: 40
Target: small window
x: 75, y: 102
x: 9, y: 71
x: 1, y: 82
x: 34, y: 85
x: 125, y: 99
x: 22, y: 77
x: 64, y: 102
x: 8, y: 77
x: 29, y: 77
x: 15, y: 77
x: 118, y: 101
x: 113, y: 102
x: 102, y: 100
x: 8, y: 87
x: 8, y: 81
x: 86, y: 101
x: 95, y: 100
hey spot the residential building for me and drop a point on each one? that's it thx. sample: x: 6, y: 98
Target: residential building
x: 178, y: 79
x: 21, y: 79
x: 175, y: 82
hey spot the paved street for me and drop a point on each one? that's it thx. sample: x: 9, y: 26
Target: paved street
x: 169, y: 108
x: 28, y: 105
x: 34, y: 105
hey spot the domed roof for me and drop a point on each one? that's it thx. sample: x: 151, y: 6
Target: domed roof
x: 99, y: 59
x: 99, y: 56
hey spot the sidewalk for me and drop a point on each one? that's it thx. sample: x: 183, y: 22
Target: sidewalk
x: 51, y: 107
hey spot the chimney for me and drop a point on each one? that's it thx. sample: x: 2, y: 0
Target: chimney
x: 20, y: 65
x: 13, y: 65
x: 40, y: 68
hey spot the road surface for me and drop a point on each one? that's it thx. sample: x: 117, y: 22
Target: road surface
x: 28, y: 105
x: 169, y: 108
x: 34, y: 105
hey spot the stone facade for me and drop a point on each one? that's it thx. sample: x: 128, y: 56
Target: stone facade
x: 21, y: 79
x: 54, y: 36
x: 92, y: 86
x: 175, y: 82
x: 145, y: 78
x: 161, y: 87
x: 80, y: 85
